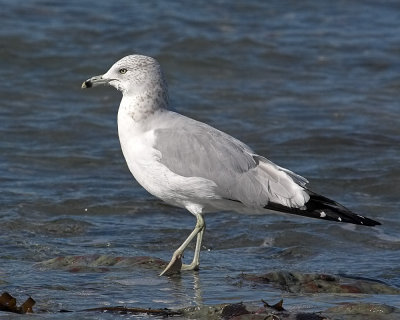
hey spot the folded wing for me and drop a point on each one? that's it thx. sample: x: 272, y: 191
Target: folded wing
x: 193, y: 149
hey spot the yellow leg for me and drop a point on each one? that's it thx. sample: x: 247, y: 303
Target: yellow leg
x: 175, y: 265
x: 196, y: 258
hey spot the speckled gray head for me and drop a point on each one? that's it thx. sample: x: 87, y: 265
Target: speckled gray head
x: 131, y: 75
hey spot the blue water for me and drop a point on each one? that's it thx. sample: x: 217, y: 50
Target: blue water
x: 312, y: 85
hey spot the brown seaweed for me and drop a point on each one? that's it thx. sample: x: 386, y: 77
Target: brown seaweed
x: 9, y: 304
x: 126, y: 310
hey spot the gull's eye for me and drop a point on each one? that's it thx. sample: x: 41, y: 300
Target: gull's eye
x: 122, y: 71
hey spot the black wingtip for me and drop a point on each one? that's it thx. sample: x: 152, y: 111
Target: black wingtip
x: 371, y: 223
x: 337, y: 211
x: 320, y: 207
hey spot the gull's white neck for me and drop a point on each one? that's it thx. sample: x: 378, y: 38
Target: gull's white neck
x: 141, y: 105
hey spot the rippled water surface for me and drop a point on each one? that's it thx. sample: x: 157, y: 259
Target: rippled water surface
x: 312, y: 85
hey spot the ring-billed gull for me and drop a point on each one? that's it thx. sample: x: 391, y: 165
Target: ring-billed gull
x: 192, y: 165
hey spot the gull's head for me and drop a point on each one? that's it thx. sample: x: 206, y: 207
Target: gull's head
x: 130, y: 75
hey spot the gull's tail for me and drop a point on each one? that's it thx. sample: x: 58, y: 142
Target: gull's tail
x: 321, y: 207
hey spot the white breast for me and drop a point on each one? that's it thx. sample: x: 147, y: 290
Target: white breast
x: 143, y: 162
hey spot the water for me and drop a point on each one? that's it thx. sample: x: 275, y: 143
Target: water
x: 311, y: 85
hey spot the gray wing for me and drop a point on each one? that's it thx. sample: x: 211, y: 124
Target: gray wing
x: 194, y: 149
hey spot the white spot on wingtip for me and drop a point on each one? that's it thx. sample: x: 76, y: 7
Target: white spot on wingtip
x: 322, y: 214
x: 340, y: 219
